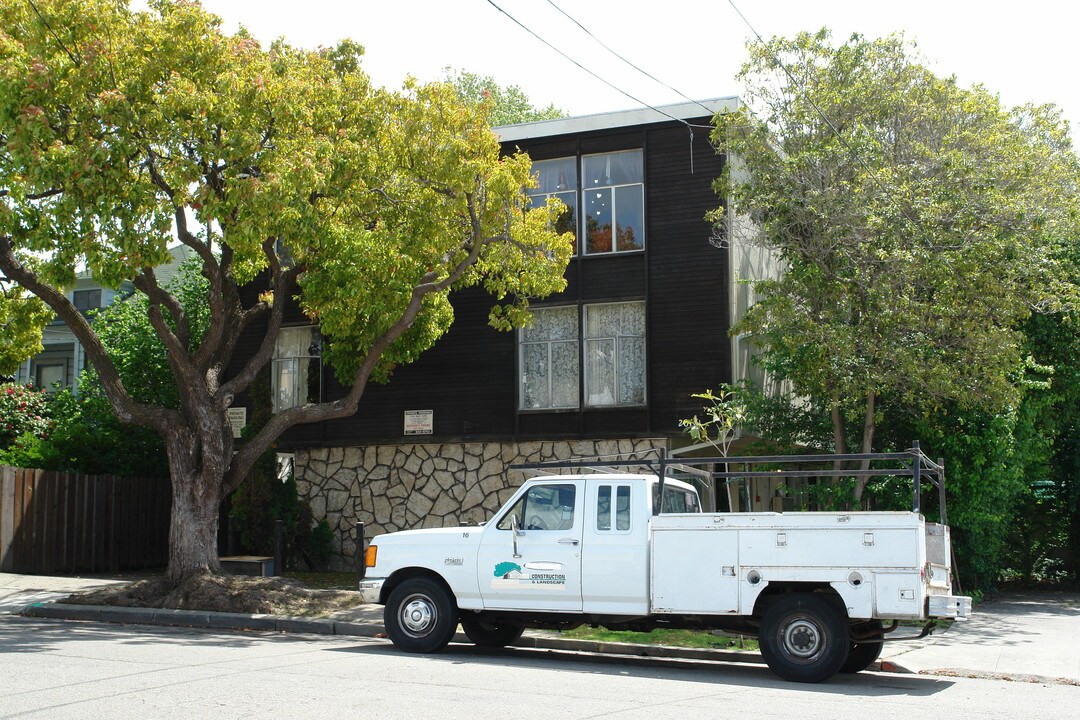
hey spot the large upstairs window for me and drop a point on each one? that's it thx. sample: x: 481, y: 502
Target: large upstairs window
x: 609, y: 199
x: 613, y: 202
x: 558, y: 179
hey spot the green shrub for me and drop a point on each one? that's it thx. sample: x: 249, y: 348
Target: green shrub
x: 24, y: 410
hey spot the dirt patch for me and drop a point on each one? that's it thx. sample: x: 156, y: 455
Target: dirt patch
x: 225, y: 593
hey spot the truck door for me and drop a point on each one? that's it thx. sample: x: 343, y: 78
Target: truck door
x: 540, y: 569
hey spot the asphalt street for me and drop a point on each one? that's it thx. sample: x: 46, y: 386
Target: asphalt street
x: 63, y: 669
x: 1015, y: 636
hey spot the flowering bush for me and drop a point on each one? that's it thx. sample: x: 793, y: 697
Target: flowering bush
x: 24, y: 410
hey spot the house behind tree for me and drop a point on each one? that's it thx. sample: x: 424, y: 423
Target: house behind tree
x: 607, y: 367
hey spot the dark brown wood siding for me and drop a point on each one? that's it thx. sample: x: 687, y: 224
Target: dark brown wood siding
x: 469, y: 379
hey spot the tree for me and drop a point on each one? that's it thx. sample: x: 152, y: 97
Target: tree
x: 21, y: 319
x: 283, y: 170
x: 509, y: 105
x: 919, y: 223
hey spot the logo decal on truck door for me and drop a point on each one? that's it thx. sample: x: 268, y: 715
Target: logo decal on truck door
x: 534, y: 574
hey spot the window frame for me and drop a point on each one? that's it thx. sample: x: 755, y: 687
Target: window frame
x: 583, y: 241
x: 313, y: 394
x: 614, y: 491
x: 585, y: 374
x: 523, y: 343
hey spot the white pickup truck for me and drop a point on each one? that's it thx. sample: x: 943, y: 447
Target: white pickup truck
x: 598, y: 549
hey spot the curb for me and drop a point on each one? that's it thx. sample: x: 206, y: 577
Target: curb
x: 329, y: 626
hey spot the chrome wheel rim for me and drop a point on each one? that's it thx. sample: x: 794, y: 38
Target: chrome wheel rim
x: 418, y: 615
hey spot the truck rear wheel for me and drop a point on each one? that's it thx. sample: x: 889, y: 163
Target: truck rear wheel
x: 862, y: 655
x: 489, y: 634
x: 804, y: 638
x: 420, y: 616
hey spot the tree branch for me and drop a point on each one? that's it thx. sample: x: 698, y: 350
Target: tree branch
x: 246, y: 456
x: 146, y: 282
x: 124, y: 406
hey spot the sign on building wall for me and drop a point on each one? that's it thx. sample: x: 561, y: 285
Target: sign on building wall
x: 237, y: 418
x: 419, y: 422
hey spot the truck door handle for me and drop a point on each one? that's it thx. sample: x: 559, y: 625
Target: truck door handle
x: 568, y: 541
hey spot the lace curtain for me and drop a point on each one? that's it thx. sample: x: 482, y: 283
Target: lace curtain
x: 295, y: 361
x: 549, y: 360
x: 615, y: 354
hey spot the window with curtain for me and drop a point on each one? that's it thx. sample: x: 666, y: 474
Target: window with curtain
x: 613, y: 201
x: 297, y: 368
x: 559, y: 179
x: 549, y: 359
x: 614, y: 345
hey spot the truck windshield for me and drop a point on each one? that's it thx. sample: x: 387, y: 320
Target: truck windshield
x: 677, y: 500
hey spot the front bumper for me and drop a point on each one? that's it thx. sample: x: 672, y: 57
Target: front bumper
x: 957, y: 607
x: 371, y: 589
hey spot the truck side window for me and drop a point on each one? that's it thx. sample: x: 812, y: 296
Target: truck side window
x: 543, y: 507
x: 676, y: 500
x: 620, y: 509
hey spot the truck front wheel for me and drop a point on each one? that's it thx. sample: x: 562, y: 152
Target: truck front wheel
x: 803, y: 638
x: 420, y: 616
x: 489, y: 634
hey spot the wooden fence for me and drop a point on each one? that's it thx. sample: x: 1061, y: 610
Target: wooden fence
x: 55, y: 522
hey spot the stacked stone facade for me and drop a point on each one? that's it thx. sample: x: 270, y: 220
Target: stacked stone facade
x: 403, y: 487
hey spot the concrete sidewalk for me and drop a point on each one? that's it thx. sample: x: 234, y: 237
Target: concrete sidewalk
x: 1018, y: 636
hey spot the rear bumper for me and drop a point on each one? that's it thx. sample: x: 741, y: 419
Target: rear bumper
x: 371, y: 589
x: 957, y: 607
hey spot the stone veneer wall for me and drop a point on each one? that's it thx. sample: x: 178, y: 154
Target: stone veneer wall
x: 403, y: 487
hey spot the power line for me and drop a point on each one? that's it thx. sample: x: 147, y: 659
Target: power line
x: 590, y: 72
x: 643, y: 72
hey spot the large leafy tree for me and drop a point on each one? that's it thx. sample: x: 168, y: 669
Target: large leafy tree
x: 21, y: 319
x: 919, y: 224
x: 281, y: 168
x: 508, y: 105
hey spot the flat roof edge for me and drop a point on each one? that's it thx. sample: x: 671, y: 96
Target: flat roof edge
x: 617, y: 119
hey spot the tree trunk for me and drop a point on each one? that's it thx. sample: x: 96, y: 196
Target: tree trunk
x: 196, y: 499
x: 193, y: 529
x: 867, y: 444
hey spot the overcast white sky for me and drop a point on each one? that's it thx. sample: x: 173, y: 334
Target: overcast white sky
x: 1023, y: 51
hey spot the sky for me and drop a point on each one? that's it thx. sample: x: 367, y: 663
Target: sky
x: 1023, y: 52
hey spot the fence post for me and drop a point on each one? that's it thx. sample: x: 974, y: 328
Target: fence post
x: 361, y: 569
x: 279, y: 556
x: 7, y: 519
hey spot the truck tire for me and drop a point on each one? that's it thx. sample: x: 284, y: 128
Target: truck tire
x: 420, y: 616
x: 489, y: 634
x: 804, y: 638
x: 862, y: 655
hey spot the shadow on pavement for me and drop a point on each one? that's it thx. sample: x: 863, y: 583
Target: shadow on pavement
x: 728, y: 673
x: 23, y: 635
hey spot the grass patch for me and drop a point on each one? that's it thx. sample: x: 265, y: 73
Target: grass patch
x: 676, y: 638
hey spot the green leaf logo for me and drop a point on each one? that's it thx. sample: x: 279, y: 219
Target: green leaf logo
x: 505, y: 568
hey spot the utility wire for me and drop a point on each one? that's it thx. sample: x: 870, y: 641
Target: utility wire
x: 690, y: 127
x: 643, y: 72
x: 590, y: 72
